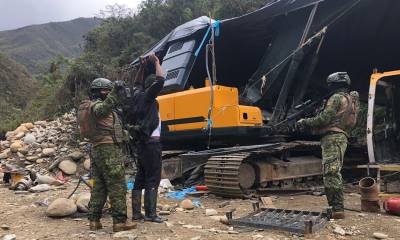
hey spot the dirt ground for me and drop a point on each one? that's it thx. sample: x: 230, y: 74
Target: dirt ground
x: 25, y: 217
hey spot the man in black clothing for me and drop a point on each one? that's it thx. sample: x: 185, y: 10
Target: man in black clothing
x: 146, y: 130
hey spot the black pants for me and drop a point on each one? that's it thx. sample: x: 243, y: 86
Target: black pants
x: 7, y: 178
x: 149, y: 165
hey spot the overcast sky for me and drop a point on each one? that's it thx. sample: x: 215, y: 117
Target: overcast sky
x: 19, y: 13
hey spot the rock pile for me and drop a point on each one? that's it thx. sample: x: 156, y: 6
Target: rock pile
x: 45, y: 146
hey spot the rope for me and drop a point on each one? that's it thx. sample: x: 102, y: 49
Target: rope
x: 81, y: 179
x: 209, y: 120
x: 215, y: 31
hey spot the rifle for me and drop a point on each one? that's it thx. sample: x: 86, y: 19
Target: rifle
x: 302, y: 110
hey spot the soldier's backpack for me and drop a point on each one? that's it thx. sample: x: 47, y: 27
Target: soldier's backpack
x: 352, y: 109
x: 85, y: 119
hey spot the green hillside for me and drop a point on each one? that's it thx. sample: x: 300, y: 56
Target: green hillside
x: 33, y: 46
x: 17, y: 87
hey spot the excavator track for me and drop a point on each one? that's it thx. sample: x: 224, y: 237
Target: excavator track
x: 222, y: 174
x: 234, y: 175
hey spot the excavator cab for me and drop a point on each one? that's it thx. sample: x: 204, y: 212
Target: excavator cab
x: 383, y: 120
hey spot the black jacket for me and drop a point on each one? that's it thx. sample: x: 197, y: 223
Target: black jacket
x: 144, y: 111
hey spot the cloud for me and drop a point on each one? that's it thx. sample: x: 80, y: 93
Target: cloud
x: 19, y: 13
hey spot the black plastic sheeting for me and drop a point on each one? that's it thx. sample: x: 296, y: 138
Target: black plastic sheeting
x: 365, y: 37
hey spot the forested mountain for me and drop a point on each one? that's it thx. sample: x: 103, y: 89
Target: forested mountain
x: 16, y: 88
x: 34, y: 46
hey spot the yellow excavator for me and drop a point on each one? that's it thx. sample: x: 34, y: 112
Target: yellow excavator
x: 217, y: 124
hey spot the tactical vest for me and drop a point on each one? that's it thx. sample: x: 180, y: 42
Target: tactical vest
x: 346, y: 117
x: 106, y: 130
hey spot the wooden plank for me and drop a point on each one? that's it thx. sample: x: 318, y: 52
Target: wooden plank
x: 382, y: 167
x: 389, y: 195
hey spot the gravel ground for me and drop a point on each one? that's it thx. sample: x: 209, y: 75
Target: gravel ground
x: 23, y: 215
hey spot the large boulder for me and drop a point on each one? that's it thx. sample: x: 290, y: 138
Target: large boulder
x: 45, y: 179
x: 19, y: 135
x: 24, y: 150
x: 35, y: 145
x: 15, y: 146
x: 29, y: 138
x: 4, y: 144
x: 9, y: 237
x: 83, y: 202
x: 29, y: 125
x: 76, y: 155
x: 187, y: 204
x: 68, y: 167
x: 9, y: 134
x: 5, y: 154
x: 40, y: 160
x: 61, y: 207
x: 21, y: 128
x: 211, y: 212
x: 40, y: 188
x: 48, y: 152
x: 32, y: 158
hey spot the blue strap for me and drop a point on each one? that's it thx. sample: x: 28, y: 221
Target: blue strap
x: 202, y: 42
x: 216, y: 26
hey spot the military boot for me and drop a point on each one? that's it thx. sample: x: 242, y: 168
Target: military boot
x: 137, y: 205
x: 118, y: 227
x: 150, y: 206
x: 335, y: 201
x: 95, y: 225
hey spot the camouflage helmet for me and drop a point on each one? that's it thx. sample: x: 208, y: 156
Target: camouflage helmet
x: 101, y: 83
x: 338, y: 77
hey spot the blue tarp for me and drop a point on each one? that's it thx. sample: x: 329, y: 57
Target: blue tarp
x: 180, y: 195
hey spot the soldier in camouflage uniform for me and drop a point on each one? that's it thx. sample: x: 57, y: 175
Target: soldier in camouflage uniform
x: 333, y: 123
x: 108, y: 170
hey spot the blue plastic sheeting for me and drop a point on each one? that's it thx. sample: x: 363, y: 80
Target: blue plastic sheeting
x: 196, y: 202
x: 180, y: 195
x: 130, y: 185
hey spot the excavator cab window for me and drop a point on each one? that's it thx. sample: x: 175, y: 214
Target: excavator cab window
x: 386, y: 120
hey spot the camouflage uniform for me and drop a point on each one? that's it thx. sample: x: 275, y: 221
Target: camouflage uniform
x: 330, y: 124
x: 108, y: 171
x: 333, y: 149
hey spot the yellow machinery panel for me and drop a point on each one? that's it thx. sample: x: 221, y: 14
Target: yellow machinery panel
x: 188, y: 110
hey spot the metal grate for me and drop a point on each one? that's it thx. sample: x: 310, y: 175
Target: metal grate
x: 295, y: 221
x: 172, y: 75
x: 175, y: 47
